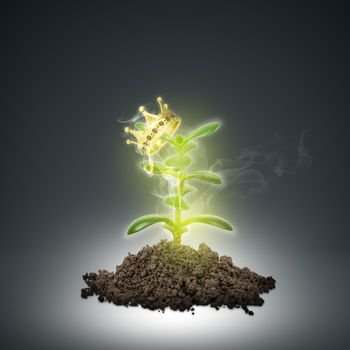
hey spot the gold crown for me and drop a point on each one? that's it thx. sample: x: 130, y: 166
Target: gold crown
x: 150, y: 139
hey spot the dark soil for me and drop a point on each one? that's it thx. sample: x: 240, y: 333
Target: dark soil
x: 179, y: 277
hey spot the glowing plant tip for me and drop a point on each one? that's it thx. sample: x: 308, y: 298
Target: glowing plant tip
x: 158, y: 131
x: 149, y: 134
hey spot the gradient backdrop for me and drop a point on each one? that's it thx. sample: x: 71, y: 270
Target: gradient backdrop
x: 70, y: 185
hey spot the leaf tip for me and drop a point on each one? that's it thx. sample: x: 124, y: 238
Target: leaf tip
x: 129, y: 231
x: 216, y: 125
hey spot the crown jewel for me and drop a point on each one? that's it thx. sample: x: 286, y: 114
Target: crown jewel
x: 150, y: 139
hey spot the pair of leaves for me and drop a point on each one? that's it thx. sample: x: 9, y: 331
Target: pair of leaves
x: 176, y: 202
x: 158, y: 169
x: 178, y: 143
x: 148, y: 220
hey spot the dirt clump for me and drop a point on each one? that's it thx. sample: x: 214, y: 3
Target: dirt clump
x: 179, y: 277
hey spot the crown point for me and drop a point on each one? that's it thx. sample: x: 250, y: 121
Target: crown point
x: 159, y: 99
x: 129, y: 142
x: 141, y: 108
x: 166, y: 106
x: 127, y: 129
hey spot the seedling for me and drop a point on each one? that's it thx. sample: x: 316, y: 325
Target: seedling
x: 151, y: 136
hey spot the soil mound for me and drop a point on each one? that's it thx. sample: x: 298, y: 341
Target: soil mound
x: 179, y: 277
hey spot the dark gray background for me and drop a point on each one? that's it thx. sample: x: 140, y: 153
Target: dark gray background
x: 70, y: 184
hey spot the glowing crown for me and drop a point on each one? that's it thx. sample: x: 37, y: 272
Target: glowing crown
x: 150, y: 139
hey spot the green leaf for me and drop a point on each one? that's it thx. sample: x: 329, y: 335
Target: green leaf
x: 140, y: 126
x: 188, y: 146
x: 202, y: 131
x: 179, y: 161
x: 179, y: 139
x: 157, y: 168
x: 206, y: 176
x: 188, y: 189
x: 147, y: 220
x: 174, y: 201
x: 169, y: 139
x: 209, y: 220
x: 154, y: 168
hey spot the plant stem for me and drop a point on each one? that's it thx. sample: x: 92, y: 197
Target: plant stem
x: 180, y: 188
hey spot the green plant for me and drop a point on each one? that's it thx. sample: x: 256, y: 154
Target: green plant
x: 176, y: 166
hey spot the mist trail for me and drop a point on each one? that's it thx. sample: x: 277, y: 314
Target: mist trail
x: 255, y: 169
